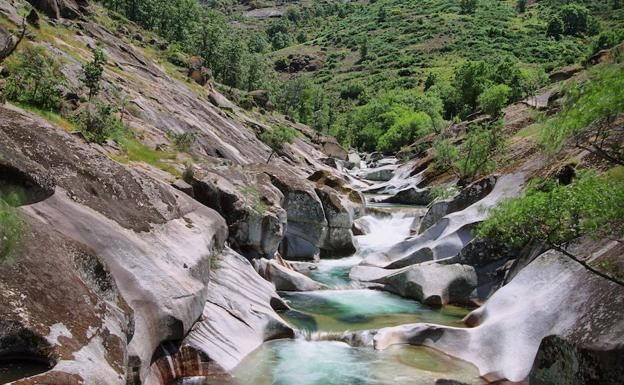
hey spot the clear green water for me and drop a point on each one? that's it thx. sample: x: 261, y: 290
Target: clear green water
x: 299, y: 362
x: 342, y: 310
x: 321, y: 362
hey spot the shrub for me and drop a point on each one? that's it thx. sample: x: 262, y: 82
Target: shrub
x: 468, y: 6
x: 494, y: 99
x: 406, y: 128
x: 277, y: 138
x: 35, y: 78
x: 98, y: 123
x: 557, y: 214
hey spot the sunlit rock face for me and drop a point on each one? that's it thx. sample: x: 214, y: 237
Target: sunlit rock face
x: 553, y: 295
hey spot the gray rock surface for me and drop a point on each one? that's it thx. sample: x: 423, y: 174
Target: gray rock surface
x: 237, y: 317
x: 553, y: 295
x: 434, y: 284
x: 284, y: 278
x: 466, y: 197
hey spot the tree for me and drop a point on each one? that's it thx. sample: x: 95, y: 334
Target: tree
x: 494, y: 99
x: 382, y: 15
x: 364, y: 51
x: 407, y: 127
x: 477, y: 152
x: 557, y: 214
x: 277, y: 138
x: 468, y: 7
x: 430, y: 81
x: 35, y: 78
x: 555, y: 27
x: 470, y: 79
x: 521, y: 6
x: 92, y: 72
x: 576, y: 19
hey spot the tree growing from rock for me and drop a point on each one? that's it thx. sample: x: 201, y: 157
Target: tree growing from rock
x: 557, y: 214
x: 277, y: 138
x: 92, y: 72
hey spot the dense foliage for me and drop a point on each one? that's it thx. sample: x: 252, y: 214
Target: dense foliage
x: 557, y: 214
x: 599, y: 98
x: 35, y: 78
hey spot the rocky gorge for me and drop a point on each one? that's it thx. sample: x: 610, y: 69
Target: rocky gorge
x: 214, y: 266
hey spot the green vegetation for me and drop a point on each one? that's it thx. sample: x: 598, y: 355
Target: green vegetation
x: 589, y: 106
x: 92, y: 72
x: 475, y: 156
x: 557, y: 214
x: 277, y: 138
x: 252, y: 194
x: 35, y: 78
x: 11, y: 226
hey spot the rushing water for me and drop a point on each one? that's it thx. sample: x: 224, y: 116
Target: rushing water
x: 300, y: 362
x: 320, y: 361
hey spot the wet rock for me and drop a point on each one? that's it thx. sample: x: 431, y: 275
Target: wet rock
x: 434, y: 284
x: 411, y: 196
x: 284, y: 278
x: 466, y: 197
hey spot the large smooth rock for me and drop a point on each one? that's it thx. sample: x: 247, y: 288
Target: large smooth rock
x: 434, y: 284
x: 466, y: 197
x: 411, y: 196
x: 332, y: 148
x: 553, y: 295
x: 339, y: 239
x: 239, y: 313
x: 284, y: 278
x: 451, y: 233
x: 249, y: 203
x: 106, y: 224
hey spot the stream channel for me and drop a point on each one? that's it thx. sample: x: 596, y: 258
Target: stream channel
x: 314, y: 357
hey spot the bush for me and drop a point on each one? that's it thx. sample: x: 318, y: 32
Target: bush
x: 494, y: 99
x: 477, y: 152
x: 444, y: 154
x: 406, y: 128
x: 35, y: 78
x: 277, y: 138
x: 98, y: 123
x: 557, y: 214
